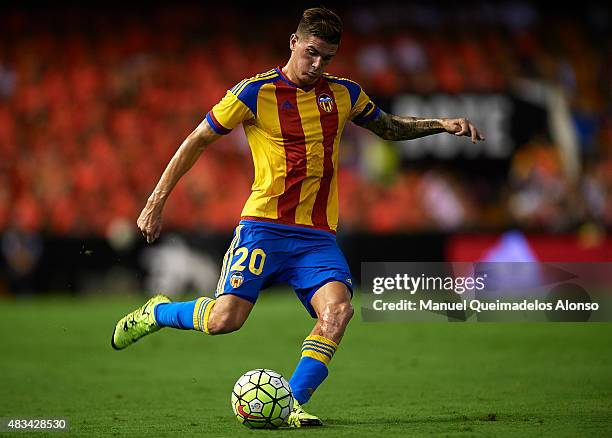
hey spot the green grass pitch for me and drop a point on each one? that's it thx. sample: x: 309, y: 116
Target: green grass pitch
x: 387, y: 379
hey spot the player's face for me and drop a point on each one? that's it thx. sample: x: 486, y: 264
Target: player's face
x: 312, y: 55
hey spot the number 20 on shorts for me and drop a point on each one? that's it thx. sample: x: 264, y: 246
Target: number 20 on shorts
x: 256, y: 260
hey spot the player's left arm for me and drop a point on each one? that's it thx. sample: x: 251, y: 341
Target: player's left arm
x: 396, y: 128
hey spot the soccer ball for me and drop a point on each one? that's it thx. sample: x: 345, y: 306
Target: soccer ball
x: 262, y: 399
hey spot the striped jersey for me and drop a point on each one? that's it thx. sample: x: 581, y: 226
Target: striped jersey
x: 294, y: 135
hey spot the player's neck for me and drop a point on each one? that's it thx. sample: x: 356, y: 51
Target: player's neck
x: 289, y: 73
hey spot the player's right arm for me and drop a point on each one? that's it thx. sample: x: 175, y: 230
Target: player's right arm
x: 220, y: 120
x: 150, y: 219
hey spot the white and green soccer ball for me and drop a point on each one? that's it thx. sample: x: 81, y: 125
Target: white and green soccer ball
x: 262, y: 399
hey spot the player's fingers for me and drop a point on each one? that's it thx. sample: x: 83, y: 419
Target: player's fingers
x: 474, y: 133
x: 477, y: 135
x: 151, y: 236
x: 141, y: 229
x: 148, y: 234
x: 154, y: 233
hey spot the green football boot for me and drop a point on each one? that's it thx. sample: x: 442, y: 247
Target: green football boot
x: 300, y: 418
x: 137, y: 324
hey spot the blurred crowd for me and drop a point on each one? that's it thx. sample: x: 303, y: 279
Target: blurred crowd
x: 93, y: 104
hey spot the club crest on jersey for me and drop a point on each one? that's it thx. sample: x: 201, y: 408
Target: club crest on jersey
x: 236, y: 279
x: 326, y: 102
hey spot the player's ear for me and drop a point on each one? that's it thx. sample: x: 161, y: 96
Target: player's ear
x: 293, y: 41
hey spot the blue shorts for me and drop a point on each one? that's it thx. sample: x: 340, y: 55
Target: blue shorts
x: 263, y: 254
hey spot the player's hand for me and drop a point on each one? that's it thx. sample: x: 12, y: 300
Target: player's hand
x: 150, y: 222
x: 462, y: 127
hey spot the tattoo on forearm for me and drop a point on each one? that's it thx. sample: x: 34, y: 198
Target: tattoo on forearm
x: 391, y: 127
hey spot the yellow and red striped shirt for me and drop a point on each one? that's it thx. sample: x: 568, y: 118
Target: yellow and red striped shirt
x: 294, y: 134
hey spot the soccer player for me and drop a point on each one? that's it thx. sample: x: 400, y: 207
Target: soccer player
x: 293, y: 118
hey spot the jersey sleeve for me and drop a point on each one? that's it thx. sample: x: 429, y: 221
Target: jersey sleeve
x: 364, y: 109
x: 228, y: 113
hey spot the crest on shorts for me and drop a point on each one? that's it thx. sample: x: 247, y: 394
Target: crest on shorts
x: 326, y: 102
x: 236, y: 279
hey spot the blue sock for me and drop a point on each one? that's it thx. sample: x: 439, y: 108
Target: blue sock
x: 308, y: 375
x: 310, y: 372
x: 177, y: 315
